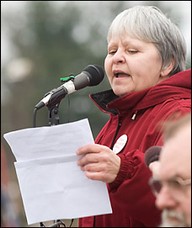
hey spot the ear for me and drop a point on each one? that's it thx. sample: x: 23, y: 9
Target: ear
x: 167, y: 69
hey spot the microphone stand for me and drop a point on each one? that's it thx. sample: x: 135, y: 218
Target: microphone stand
x: 53, y: 115
x: 53, y: 119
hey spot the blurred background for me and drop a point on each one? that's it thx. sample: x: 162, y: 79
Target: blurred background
x: 42, y: 41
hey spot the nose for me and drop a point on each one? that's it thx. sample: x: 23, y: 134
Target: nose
x: 165, y: 199
x: 119, y: 57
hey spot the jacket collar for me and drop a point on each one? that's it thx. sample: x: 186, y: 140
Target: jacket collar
x: 176, y: 87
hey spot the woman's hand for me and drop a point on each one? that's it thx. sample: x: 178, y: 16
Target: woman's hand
x: 99, y: 162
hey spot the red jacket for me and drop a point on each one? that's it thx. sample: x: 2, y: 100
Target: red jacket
x: 138, y: 116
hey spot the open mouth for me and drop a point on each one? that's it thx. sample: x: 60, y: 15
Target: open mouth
x: 121, y: 75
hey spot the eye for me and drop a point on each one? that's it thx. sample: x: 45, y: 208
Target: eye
x: 132, y: 51
x: 111, y: 52
x: 174, y: 184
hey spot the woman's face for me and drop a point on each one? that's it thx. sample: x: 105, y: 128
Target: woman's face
x: 132, y: 65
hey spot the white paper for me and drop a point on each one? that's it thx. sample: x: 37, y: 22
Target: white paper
x: 52, y: 185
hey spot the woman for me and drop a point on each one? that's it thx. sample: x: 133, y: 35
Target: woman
x: 145, y: 66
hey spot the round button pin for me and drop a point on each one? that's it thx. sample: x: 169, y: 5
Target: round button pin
x: 120, y: 144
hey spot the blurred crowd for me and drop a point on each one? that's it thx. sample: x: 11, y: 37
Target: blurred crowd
x: 9, y: 211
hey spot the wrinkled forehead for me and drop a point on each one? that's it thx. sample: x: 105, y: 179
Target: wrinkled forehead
x: 175, y: 158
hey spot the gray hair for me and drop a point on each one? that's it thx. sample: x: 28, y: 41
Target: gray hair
x: 149, y: 24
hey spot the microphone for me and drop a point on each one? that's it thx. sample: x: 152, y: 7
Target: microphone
x: 91, y: 75
x: 152, y: 154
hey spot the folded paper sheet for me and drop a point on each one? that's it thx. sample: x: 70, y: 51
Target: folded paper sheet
x: 51, y: 183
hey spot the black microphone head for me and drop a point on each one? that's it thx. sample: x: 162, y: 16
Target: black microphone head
x: 152, y: 154
x: 95, y: 74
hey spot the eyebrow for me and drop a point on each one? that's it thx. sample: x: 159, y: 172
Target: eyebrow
x: 181, y: 179
x: 126, y: 43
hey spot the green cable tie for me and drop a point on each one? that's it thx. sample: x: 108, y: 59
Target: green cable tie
x: 66, y: 79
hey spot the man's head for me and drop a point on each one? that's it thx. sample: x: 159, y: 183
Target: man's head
x: 173, y: 187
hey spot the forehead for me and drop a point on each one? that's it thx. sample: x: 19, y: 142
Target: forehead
x: 175, y: 158
x: 124, y: 39
x: 128, y: 40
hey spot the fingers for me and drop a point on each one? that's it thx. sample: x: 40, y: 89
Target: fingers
x: 97, y: 171
x: 96, y: 176
x: 98, y: 162
x: 90, y: 154
x: 88, y: 158
x: 91, y: 148
x: 93, y: 167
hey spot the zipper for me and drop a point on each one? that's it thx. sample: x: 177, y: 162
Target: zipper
x: 134, y: 115
x: 118, y: 127
x: 116, y: 132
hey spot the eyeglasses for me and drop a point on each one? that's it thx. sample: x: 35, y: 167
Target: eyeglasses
x: 176, y: 184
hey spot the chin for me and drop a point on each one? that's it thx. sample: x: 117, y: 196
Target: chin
x: 119, y: 92
x: 170, y: 224
x: 173, y: 219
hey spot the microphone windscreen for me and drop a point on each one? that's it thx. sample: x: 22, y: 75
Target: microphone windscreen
x: 95, y: 74
x: 152, y: 154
